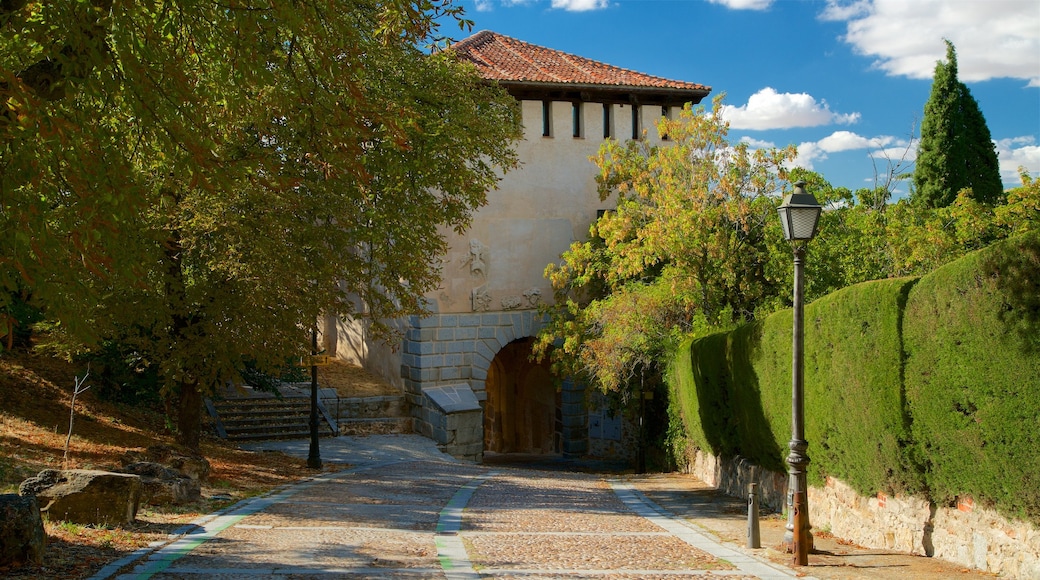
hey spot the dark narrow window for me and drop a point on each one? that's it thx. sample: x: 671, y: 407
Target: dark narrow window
x: 576, y: 119
x: 608, y: 121
x: 635, y: 122
x: 666, y: 113
x: 546, y: 119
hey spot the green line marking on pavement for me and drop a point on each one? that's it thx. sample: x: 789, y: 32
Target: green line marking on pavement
x: 451, y: 552
x: 209, y: 526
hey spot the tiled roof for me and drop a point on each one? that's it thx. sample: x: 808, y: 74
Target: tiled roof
x: 506, y: 59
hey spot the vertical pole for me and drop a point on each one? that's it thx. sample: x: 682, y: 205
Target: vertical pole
x: 754, y: 534
x: 641, y: 461
x: 314, y: 455
x: 798, y: 535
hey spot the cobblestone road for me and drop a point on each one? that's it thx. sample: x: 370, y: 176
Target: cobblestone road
x: 407, y: 511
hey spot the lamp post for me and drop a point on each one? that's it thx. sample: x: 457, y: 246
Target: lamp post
x: 314, y: 454
x: 799, y: 214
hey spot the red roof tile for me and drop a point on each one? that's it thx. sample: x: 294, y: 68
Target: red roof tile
x: 506, y: 59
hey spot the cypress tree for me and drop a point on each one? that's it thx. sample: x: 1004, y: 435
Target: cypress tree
x: 956, y: 150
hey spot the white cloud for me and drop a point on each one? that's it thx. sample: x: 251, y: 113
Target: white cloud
x: 768, y: 109
x: 484, y: 5
x: 744, y: 4
x: 994, y: 39
x: 757, y: 143
x: 580, y: 5
x: 1014, y: 153
x: 847, y: 141
x: 885, y: 149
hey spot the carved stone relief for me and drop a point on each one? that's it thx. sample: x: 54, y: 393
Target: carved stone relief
x: 511, y: 302
x: 481, y: 299
x: 533, y: 296
x: 477, y: 259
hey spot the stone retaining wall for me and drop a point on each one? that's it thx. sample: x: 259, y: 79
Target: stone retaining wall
x: 732, y: 477
x: 964, y: 534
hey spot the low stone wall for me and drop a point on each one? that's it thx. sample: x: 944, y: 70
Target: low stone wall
x: 892, y: 522
x: 984, y: 539
x: 369, y: 407
x: 732, y: 476
x: 964, y: 534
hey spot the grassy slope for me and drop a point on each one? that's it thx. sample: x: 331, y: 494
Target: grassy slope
x: 35, y: 395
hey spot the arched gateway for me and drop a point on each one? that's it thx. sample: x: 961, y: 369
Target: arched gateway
x: 523, y: 411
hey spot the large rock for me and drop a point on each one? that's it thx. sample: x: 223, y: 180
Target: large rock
x: 163, y: 486
x: 193, y: 465
x: 86, y: 496
x: 22, y: 538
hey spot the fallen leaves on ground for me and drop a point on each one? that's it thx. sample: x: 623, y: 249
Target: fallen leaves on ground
x: 35, y: 399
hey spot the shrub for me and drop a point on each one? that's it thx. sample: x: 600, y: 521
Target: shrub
x: 121, y: 374
x: 856, y: 420
x: 734, y: 389
x: 698, y: 389
x: 972, y: 338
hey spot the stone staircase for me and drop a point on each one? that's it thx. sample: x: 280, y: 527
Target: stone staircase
x: 246, y: 414
x: 252, y: 415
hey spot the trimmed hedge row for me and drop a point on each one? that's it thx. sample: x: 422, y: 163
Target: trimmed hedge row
x: 734, y: 389
x: 973, y: 376
x: 953, y: 411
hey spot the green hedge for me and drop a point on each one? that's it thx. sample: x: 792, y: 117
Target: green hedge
x: 698, y: 386
x: 734, y: 389
x: 856, y: 421
x: 972, y: 339
x: 910, y: 385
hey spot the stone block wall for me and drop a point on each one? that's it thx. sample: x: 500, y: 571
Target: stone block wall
x: 892, y: 522
x: 453, y: 418
x: 574, y: 418
x: 964, y: 534
x: 454, y: 349
x: 732, y: 477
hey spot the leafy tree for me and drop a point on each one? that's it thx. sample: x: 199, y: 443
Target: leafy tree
x: 205, y: 179
x: 1021, y: 213
x: 956, y: 150
x: 685, y: 248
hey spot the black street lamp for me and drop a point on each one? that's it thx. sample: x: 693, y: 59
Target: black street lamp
x: 799, y: 214
x: 314, y: 454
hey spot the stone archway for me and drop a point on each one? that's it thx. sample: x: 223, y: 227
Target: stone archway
x: 522, y: 411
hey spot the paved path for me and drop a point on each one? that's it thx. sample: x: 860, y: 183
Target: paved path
x: 407, y: 511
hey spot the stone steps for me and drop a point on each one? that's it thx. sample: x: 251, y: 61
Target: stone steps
x: 248, y: 414
x: 265, y: 416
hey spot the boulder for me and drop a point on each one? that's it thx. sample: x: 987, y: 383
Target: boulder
x: 85, y: 496
x: 193, y: 465
x: 163, y: 486
x: 22, y: 538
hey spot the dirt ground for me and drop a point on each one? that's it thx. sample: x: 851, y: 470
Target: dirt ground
x: 35, y: 401
x: 353, y: 381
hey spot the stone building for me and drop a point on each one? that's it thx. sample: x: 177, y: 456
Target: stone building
x: 465, y: 368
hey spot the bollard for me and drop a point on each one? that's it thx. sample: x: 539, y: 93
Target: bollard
x: 754, y: 539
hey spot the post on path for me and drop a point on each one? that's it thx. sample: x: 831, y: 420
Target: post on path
x: 314, y: 455
x: 754, y: 536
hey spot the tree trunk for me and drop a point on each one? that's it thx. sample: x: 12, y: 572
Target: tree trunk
x: 189, y: 416
x: 189, y: 399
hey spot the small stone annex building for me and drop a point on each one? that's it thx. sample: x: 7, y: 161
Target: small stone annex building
x: 465, y: 368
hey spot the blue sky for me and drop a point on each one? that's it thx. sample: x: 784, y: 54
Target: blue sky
x: 844, y: 80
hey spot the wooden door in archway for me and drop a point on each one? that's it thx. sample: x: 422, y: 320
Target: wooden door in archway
x: 521, y: 414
